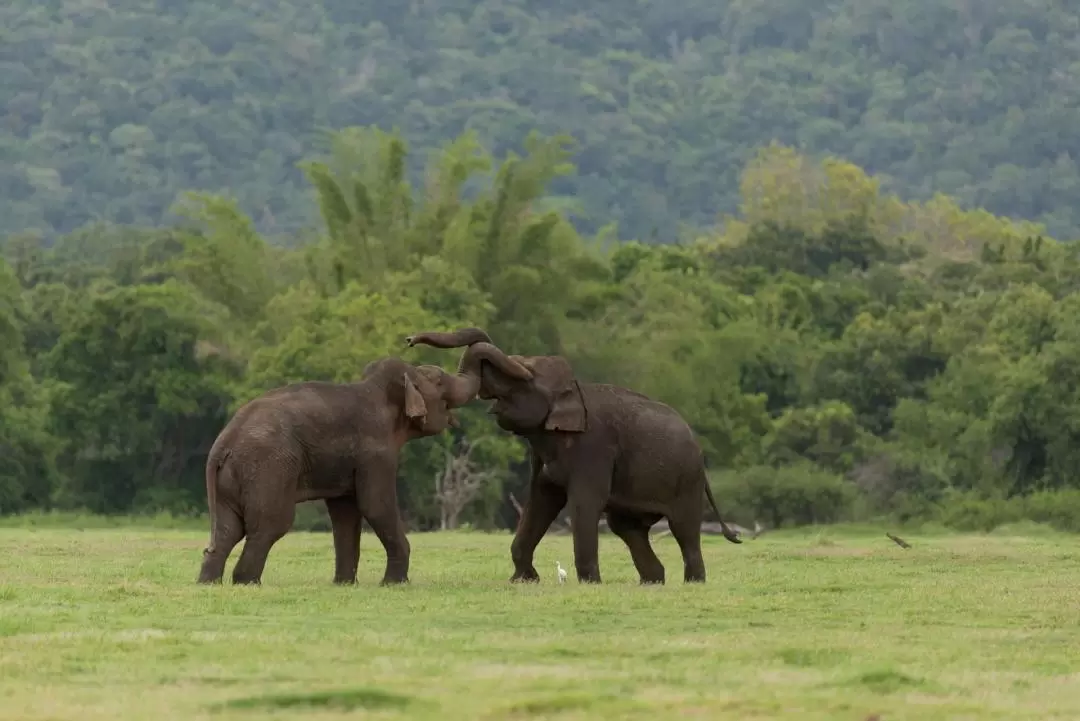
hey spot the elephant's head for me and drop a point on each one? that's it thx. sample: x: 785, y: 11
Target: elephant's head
x: 425, y: 395
x: 532, y: 393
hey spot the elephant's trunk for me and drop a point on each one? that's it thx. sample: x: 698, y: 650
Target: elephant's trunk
x: 457, y: 339
x: 480, y: 348
x: 477, y: 352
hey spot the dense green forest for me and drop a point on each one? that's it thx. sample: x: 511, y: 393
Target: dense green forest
x: 842, y: 353
x: 112, y: 109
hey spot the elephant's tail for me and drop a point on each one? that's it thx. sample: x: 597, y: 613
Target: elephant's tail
x: 213, y: 465
x: 728, y: 533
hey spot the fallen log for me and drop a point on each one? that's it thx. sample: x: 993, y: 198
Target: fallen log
x: 710, y: 528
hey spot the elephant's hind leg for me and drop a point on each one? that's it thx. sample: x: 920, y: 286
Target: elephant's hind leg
x: 687, y: 531
x: 346, y: 521
x: 228, y: 531
x: 634, y: 532
x: 263, y: 531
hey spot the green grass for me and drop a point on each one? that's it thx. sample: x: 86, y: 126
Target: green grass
x: 821, y: 624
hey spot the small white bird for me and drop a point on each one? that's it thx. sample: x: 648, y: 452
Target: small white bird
x: 562, y: 572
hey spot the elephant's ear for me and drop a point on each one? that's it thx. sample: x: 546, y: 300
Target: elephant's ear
x: 567, y: 410
x: 415, y: 407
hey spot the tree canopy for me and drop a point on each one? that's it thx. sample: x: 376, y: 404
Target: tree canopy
x: 840, y: 352
x: 113, y: 110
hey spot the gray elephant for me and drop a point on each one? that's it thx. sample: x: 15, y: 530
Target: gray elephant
x: 333, y: 441
x: 595, y: 448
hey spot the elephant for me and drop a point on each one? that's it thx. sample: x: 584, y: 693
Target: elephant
x: 338, y: 442
x: 594, y: 448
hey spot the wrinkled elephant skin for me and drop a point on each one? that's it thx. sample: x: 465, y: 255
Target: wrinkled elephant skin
x: 338, y: 442
x: 594, y: 448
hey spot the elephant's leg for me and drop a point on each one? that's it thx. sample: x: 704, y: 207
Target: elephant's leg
x: 264, y: 529
x: 686, y: 528
x: 346, y: 521
x: 228, y: 531
x: 541, y: 508
x: 585, y: 510
x: 377, y: 494
x: 635, y: 534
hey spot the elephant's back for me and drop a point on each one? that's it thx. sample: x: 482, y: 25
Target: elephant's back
x: 641, y: 423
x: 300, y: 412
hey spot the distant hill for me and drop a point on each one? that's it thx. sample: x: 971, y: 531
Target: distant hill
x: 109, y: 111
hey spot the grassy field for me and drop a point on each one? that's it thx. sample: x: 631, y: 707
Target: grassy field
x: 823, y: 624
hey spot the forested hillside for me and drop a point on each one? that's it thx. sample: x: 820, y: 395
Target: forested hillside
x: 840, y: 353
x: 111, y: 109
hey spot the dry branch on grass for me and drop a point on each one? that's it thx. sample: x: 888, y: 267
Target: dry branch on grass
x: 898, y: 541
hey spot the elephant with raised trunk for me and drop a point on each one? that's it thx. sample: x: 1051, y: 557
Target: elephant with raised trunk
x: 595, y: 448
x: 333, y: 441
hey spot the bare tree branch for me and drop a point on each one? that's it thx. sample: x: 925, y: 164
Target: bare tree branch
x: 459, y: 482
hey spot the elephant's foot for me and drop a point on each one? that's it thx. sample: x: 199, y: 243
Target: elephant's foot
x: 345, y: 580
x: 525, y: 575
x: 589, y: 575
x: 213, y: 568
x: 694, y: 570
x: 211, y: 573
x: 652, y: 580
x: 247, y: 581
x: 394, y: 579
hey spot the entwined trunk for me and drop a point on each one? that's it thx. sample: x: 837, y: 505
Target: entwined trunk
x: 480, y: 348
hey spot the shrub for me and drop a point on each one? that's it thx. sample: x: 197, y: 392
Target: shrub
x: 795, y: 495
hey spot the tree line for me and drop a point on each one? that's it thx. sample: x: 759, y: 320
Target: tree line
x: 109, y: 112
x: 842, y: 354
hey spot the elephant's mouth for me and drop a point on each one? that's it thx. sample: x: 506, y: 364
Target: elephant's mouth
x: 452, y: 419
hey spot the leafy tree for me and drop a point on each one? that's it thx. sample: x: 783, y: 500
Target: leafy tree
x: 841, y: 353
x: 667, y: 103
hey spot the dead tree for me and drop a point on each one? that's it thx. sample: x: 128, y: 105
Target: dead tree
x: 559, y: 527
x: 458, y: 483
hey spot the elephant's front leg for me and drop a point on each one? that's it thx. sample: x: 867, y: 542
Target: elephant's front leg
x: 377, y: 494
x: 541, y: 508
x: 584, y: 518
x: 588, y: 490
x: 346, y: 521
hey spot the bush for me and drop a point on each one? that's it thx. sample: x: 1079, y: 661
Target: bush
x: 900, y: 483
x: 1060, y: 509
x: 312, y: 516
x: 970, y: 512
x: 795, y: 495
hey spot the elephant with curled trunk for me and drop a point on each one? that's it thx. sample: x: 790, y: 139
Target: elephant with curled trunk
x: 333, y: 441
x: 595, y: 448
